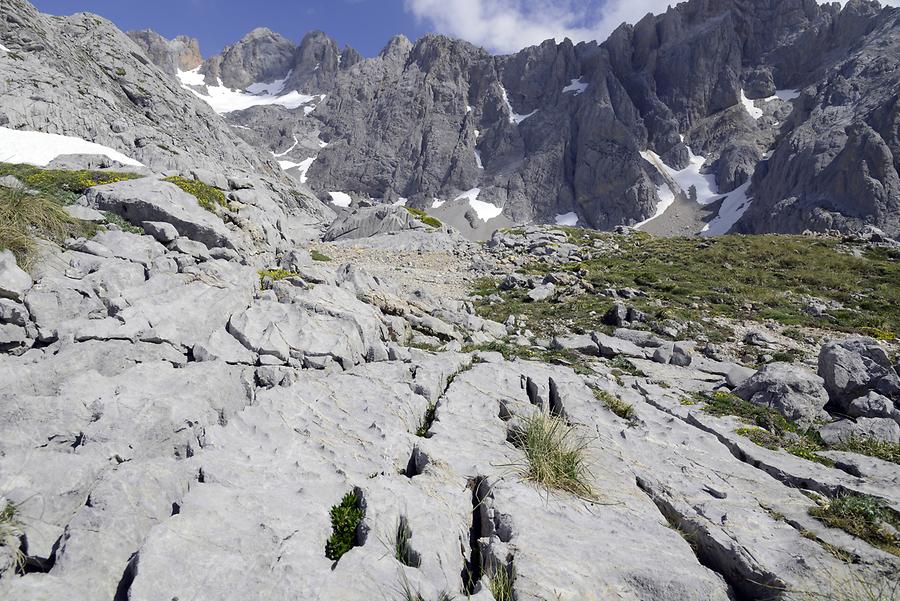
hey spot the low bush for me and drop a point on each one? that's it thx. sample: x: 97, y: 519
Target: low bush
x: 208, y: 197
x: 425, y: 217
x: 345, y: 519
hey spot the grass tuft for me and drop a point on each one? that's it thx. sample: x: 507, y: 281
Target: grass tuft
x: 318, y: 256
x: 403, y: 551
x: 208, y: 197
x: 556, y: 455
x: 427, y: 420
x: 10, y: 530
x: 865, y: 517
x: 124, y: 224
x: 501, y: 583
x: 345, y: 519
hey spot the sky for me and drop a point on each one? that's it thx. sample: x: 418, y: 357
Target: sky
x: 499, y: 25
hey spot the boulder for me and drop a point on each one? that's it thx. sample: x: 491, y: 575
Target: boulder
x: 14, y: 282
x: 149, y: 199
x: 579, y: 343
x: 639, y: 337
x: 541, y: 292
x: 795, y: 393
x: 854, y: 366
x: 613, y: 347
x: 616, y: 316
x: 878, y: 428
x: 370, y: 221
x: 873, y: 405
x: 162, y: 231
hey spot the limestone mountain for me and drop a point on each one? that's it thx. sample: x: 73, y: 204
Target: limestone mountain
x: 789, y: 108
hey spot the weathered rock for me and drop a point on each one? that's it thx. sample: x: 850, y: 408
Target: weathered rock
x: 877, y: 428
x: 14, y: 282
x: 852, y: 367
x: 795, y: 393
x: 370, y: 221
x: 617, y: 315
x: 162, y: 231
x: 579, y: 343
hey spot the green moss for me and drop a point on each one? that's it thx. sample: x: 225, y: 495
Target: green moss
x: 318, y: 256
x: 615, y: 404
x: 208, y: 197
x: 345, y: 519
x: 63, y: 185
x: 124, y: 224
x: 425, y: 217
x: 120, y: 71
x: 864, y: 517
x: 274, y: 275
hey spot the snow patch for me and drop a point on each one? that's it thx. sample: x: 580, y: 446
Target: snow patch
x: 225, y: 100
x: 485, y: 210
x: 400, y: 202
x: 469, y: 109
x: 340, y: 199
x: 322, y: 143
x: 786, y: 95
x: 4, y: 48
x: 478, y: 162
x: 514, y: 117
x: 733, y: 208
x: 37, y: 148
x: 666, y: 199
x: 296, y: 142
x: 750, y: 107
x: 705, y: 184
x: 570, y: 219
x: 436, y: 204
x: 285, y: 165
x: 577, y: 86
x: 304, y: 166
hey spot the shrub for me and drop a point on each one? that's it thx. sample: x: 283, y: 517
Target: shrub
x: 345, y: 519
x: 274, y: 275
x: 864, y: 517
x: 63, y: 185
x: 425, y: 217
x: 124, y: 224
x: 208, y: 197
x: 556, y: 455
x: 318, y: 256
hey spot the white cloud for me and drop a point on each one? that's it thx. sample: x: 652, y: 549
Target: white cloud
x: 510, y: 25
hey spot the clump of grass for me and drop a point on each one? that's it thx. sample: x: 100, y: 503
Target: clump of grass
x: 501, y: 583
x: 275, y: 275
x: 864, y: 517
x: 345, y: 520
x: 556, y: 455
x: 427, y: 420
x: 872, y: 447
x: 208, y: 197
x: 63, y: 185
x: 425, y: 217
x: 25, y: 217
x: 615, y: 404
x: 124, y: 224
x: 319, y: 256
x: 408, y: 593
x: 403, y: 551
x: 10, y: 529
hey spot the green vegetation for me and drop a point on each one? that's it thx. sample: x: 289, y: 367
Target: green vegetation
x: 403, y: 551
x: 10, y: 529
x: 556, y: 455
x: 865, y: 517
x: 771, y: 430
x: 515, y: 351
x: 501, y: 583
x: 24, y: 218
x: 274, y: 275
x: 427, y: 420
x: 62, y: 185
x: 318, y: 256
x: 745, y: 277
x: 120, y: 71
x: 125, y: 225
x: 408, y: 593
x: 345, y: 519
x: 425, y: 217
x: 615, y: 404
x: 208, y: 197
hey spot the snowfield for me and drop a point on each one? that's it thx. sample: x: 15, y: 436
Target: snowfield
x: 225, y: 100
x: 485, y: 210
x: 705, y: 184
x: 577, y: 86
x: 340, y: 199
x: 733, y: 208
x: 750, y: 107
x: 39, y: 149
x: 570, y: 219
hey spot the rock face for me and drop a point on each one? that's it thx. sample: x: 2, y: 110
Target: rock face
x: 172, y: 56
x: 853, y: 367
x: 561, y: 129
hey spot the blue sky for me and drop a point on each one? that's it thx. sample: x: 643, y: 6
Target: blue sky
x: 367, y: 25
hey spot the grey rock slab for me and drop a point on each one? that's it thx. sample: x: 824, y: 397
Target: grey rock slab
x: 84, y: 213
x: 150, y: 199
x: 14, y: 282
x: 162, y: 231
x: 541, y: 292
x: 579, y: 343
x: 795, y: 393
x: 639, y: 337
x: 371, y: 221
x: 222, y: 346
x: 878, y: 428
x: 612, y: 347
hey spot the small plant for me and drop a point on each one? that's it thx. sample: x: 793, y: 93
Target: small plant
x: 208, y: 197
x: 403, y: 551
x: 556, y: 455
x: 63, y: 185
x: 427, y: 420
x: 319, y: 256
x: 120, y: 71
x: 425, y: 217
x: 862, y: 516
x: 10, y: 529
x: 615, y: 404
x: 501, y: 583
x: 345, y: 520
x: 408, y: 593
x: 275, y: 275
x: 122, y: 223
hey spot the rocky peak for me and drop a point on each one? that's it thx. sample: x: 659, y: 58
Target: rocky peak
x: 398, y: 48
x: 260, y: 56
x: 316, y: 62
x: 180, y: 54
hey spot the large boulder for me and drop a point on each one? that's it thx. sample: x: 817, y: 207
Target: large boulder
x: 854, y: 366
x: 878, y: 428
x: 795, y: 393
x: 370, y: 221
x: 149, y: 199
